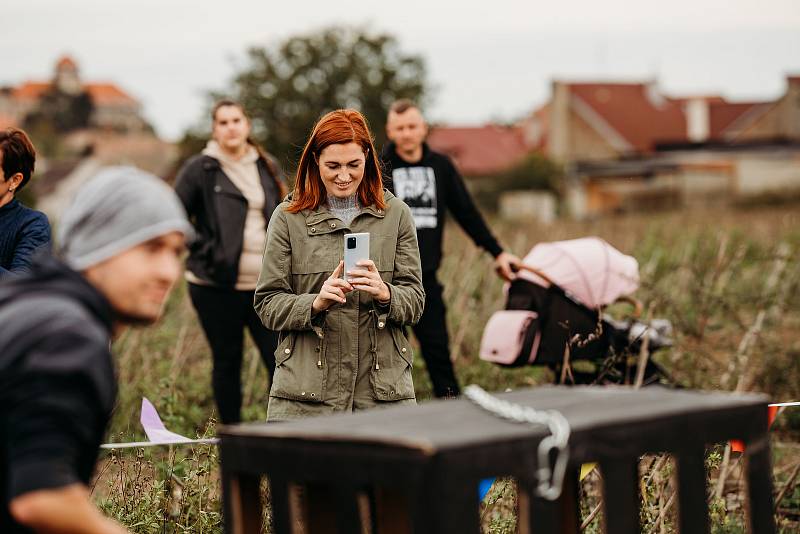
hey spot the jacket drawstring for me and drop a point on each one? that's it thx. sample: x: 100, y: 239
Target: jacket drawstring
x: 373, y: 339
x: 321, y: 335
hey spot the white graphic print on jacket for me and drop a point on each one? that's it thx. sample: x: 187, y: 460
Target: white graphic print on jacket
x: 416, y: 186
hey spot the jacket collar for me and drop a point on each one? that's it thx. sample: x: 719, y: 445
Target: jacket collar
x: 321, y: 213
x: 223, y: 184
x: 11, y: 206
x: 320, y: 221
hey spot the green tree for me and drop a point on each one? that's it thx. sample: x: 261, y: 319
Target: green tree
x: 287, y: 87
x: 534, y: 172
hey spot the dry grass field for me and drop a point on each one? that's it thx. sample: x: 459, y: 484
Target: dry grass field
x: 728, y: 280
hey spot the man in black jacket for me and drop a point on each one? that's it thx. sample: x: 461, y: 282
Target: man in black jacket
x: 121, y: 240
x: 430, y: 184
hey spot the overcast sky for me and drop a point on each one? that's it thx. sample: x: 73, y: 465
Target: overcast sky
x: 487, y: 60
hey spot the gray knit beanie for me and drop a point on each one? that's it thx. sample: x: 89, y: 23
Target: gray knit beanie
x: 119, y: 208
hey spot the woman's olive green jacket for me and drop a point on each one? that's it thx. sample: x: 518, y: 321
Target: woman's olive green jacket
x: 354, y: 355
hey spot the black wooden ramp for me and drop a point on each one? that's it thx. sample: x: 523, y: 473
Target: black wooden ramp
x: 416, y: 469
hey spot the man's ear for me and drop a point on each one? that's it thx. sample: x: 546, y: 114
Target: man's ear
x: 388, y: 136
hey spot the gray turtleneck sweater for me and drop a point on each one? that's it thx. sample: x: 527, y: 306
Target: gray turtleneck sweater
x: 346, y: 208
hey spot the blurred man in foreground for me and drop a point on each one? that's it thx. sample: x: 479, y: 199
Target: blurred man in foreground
x: 431, y: 186
x: 121, y: 243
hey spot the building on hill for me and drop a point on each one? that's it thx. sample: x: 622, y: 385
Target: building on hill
x: 112, y: 107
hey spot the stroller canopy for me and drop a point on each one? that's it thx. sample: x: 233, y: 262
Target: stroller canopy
x: 589, y: 269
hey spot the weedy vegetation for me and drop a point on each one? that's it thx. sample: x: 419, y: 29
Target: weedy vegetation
x: 728, y: 280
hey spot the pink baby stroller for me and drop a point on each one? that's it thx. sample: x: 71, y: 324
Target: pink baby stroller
x: 554, y: 315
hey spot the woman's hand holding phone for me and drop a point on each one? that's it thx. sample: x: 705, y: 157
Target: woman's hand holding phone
x: 368, y: 279
x: 333, y: 291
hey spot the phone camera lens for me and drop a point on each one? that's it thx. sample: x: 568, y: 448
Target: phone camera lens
x: 351, y: 242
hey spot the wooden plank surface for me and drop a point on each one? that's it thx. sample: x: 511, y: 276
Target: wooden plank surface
x: 441, y: 425
x: 442, y: 448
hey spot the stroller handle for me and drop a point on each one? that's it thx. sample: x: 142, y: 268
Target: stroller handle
x: 638, y: 307
x: 537, y: 272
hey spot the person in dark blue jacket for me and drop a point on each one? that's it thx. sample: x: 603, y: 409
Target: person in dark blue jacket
x: 23, y: 231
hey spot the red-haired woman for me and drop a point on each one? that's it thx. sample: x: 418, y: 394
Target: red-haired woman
x: 342, y: 346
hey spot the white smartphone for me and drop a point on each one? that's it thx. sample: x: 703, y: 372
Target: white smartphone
x: 356, y: 248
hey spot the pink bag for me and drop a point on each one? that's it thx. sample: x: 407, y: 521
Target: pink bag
x: 511, y: 338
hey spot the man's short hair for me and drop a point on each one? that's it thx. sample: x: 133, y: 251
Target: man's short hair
x: 18, y: 154
x: 402, y: 105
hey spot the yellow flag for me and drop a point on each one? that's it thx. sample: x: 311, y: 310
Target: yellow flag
x: 586, y: 469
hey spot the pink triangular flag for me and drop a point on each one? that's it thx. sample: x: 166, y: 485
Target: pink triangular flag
x: 154, y: 428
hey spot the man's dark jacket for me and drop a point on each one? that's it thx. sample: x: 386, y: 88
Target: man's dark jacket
x: 57, y: 383
x: 218, y: 210
x: 432, y: 187
x: 23, y: 233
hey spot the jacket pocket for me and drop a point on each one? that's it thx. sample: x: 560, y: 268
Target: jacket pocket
x: 299, y: 368
x: 318, y: 254
x: 391, y: 373
x: 382, y: 253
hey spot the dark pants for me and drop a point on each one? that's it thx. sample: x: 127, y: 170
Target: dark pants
x: 224, y: 314
x: 431, y: 331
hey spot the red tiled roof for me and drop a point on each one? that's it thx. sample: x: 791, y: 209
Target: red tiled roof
x: 723, y: 114
x: 481, y: 150
x: 101, y: 93
x: 30, y: 90
x: 636, y: 111
x: 107, y: 93
x: 643, y: 117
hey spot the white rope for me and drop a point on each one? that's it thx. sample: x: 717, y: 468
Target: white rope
x: 134, y: 444
x: 550, y: 480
